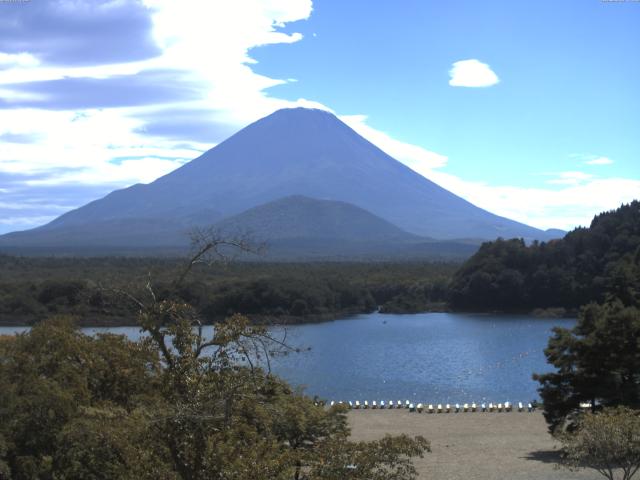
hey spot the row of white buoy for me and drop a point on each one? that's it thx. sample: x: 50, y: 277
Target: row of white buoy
x: 439, y: 408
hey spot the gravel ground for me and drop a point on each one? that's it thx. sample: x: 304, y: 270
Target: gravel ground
x: 479, y: 446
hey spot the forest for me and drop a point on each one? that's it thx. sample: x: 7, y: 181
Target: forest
x: 594, y: 264
x: 33, y: 288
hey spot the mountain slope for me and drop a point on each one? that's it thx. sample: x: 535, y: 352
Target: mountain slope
x: 290, y: 152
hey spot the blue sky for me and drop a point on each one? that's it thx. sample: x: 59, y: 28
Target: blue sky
x: 528, y: 109
x: 569, y: 79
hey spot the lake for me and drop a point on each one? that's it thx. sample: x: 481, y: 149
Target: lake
x: 428, y: 357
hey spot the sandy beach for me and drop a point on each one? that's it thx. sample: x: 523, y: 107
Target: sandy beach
x: 480, y: 446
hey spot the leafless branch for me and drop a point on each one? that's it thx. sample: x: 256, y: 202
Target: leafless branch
x: 208, y: 245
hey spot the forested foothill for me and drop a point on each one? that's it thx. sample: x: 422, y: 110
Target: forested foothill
x: 34, y: 288
x: 592, y: 264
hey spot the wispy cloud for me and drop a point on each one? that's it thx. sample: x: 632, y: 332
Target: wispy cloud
x: 599, y: 161
x: 564, y: 206
x: 472, y: 73
x: 570, y: 178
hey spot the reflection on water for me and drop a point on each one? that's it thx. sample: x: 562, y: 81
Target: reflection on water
x: 432, y: 357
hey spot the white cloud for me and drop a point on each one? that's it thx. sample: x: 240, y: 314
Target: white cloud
x: 599, y: 161
x: 208, y: 43
x: 472, y: 73
x: 18, y: 59
x: 570, y: 178
x: 566, y: 207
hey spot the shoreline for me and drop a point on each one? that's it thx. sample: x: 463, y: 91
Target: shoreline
x: 288, y: 320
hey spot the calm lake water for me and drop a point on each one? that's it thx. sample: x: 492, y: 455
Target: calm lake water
x: 430, y: 357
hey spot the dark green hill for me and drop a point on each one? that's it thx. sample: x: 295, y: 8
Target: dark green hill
x: 302, y: 228
x: 298, y: 217
x: 588, y: 264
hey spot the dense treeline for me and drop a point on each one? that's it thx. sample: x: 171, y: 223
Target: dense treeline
x: 32, y: 289
x: 588, y: 265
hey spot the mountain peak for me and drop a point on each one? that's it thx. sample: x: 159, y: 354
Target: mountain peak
x: 301, y: 112
x: 293, y: 151
x: 287, y: 120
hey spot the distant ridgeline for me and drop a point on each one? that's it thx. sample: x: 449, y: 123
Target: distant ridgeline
x: 592, y: 264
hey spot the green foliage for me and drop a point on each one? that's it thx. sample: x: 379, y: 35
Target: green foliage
x: 384, y: 459
x: 176, y: 405
x: 594, y: 264
x: 421, y: 296
x: 5, y: 472
x: 32, y: 289
x: 596, y: 362
x: 110, y: 442
x: 606, y: 442
x: 50, y: 376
